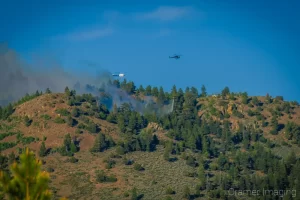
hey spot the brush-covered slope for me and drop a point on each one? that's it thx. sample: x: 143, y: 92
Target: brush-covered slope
x: 206, y: 146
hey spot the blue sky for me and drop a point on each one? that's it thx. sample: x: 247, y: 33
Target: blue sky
x: 248, y: 46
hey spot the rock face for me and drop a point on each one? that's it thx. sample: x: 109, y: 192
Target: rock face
x: 154, y: 126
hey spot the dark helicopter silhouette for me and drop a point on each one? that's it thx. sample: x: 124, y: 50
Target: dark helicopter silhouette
x: 175, y: 56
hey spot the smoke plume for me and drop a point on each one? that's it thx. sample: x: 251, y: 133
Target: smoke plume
x: 18, y: 78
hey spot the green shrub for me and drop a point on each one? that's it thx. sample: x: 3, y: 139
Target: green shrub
x: 73, y: 160
x: 62, y: 111
x: 4, y: 135
x: 170, y: 191
x: 127, y: 161
x: 138, y: 167
x: 27, y: 121
x: 110, y: 164
x: 7, y: 145
x: 46, y: 117
x: 59, y: 120
x: 102, y: 177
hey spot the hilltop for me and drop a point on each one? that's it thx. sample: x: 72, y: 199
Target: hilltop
x: 205, y: 146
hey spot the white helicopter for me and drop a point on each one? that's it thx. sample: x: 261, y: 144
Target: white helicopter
x: 118, y: 75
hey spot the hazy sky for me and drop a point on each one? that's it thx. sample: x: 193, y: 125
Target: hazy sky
x: 248, y: 46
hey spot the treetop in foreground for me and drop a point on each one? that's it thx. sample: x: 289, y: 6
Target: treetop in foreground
x: 28, y: 181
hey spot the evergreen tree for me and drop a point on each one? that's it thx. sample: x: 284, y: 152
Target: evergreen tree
x: 255, y: 100
x: 129, y: 87
x: 245, y: 98
x: 194, y: 91
x: 291, y: 160
x: 121, y: 123
x: 75, y: 112
x: 161, y: 96
x: 27, y: 181
x: 225, y: 92
x: 43, y: 150
x: 73, y: 148
x: 70, y: 121
x: 168, y: 150
x: 65, y: 150
x: 268, y: 99
x: 99, y: 144
x: 166, y: 155
x: 203, y: 91
x: 275, y: 125
x: 154, y: 91
x: 116, y: 83
x: 132, y: 125
x: 37, y: 93
x: 174, y: 91
x: 48, y: 91
x: 201, y: 173
x: 67, y: 141
x: 148, y: 91
x: 92, y: 127
x: 67, y: 92
x: 141, y: 89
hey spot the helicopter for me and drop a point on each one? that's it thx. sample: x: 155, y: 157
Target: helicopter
x: 175, y: 56
x: 118, y: 75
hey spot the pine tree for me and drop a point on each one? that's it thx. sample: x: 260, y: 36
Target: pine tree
x: 141, y: 89
x: 48, y: 91
x: 70, y: 121
x: 65, y: 150
x: 161, y: 96
x: 201, y: 173
x: 225, y: 92
x: 121, y: 123
x: 75, y: 112
x: 167, y: 155
x: 203, y: 91
x: 27, y: 181
x: 174, y: 91
x: 132, y: 123
x: 255, y: 100
x: 6, y: 112
x: 67, y: 141
x: 148, y: 90
x: 245, y: 98
x: 43, y: 150
x: 37, y: 93
x: 116, y: 83
x: 99, y: 144
x: 194, y: 91
x: 73, y: 148
x: 154, y: 91
x: 291, y: 160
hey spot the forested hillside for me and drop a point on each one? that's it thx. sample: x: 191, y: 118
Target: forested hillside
x: 206, y: 147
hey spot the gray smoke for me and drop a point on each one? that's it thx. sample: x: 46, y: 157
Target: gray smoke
x: 18, y: 78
